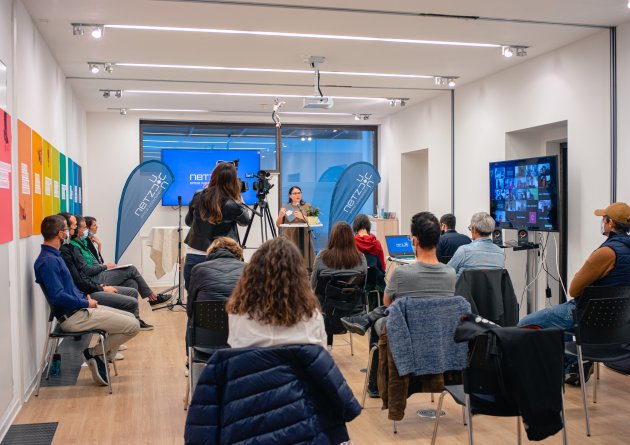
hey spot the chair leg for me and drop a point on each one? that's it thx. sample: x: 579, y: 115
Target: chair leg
x: 109, y: 379
x: 470, y: 421
x: 596, y: 379
x: 190, y: 376
x: 43, y: 364
x: 367, y: 374
x: 564, y: 420
x: 432, y: 398
x: 437, y: 417
x: 464, y: 416
x: 518, y: 430
x: 395, y: 427
x: 115, y: 368
x: 351, y: 345
x: 583, y: 388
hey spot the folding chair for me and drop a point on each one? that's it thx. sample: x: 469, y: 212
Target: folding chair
x: 483, y: 391
x: 55, y: 334
x: 602, y: 332
x: 340, y: 296
x: 207, y: 334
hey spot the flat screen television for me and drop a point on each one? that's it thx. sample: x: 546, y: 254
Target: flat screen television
x: 192, y: 169
x: 524, y: 193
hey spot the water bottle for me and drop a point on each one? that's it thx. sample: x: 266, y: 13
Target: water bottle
x: 55, y: 365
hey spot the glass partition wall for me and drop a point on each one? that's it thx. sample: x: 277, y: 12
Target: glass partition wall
x: 312, y: 157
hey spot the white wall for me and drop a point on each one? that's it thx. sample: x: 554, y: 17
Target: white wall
x: 570, y: 84
x: 39, y: 96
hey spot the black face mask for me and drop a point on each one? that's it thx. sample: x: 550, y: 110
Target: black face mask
x: 442, y: 232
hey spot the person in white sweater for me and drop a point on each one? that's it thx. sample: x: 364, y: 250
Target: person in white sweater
x: 273, y: 303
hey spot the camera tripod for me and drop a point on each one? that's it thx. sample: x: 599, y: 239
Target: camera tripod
x: 266, y: 221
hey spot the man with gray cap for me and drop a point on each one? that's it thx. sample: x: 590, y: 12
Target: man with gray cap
x: 608, y: 265
x: 482, y: 253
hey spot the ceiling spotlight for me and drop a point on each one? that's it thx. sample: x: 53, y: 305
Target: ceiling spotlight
x: 94, y: 68
x: 302, y: 139
x: 77, y: 30
x: 118, y: 94
x: 106, y: 93
x: 123, y: 111
x: 392, y: 102
x: 445, y: 81
x: 309, y: 139
x: 403, y: 102
x: 97, y: 31
x: 507, y: 51
x: 361, y: 117
x: 109, y: 67
x: 451, y: 82
x: 521, y: 52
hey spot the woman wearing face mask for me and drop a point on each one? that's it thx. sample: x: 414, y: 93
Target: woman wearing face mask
x: 93, y: 243
x: 73, y: 252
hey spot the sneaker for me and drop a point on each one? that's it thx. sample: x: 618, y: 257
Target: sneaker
x: 357, y: 324
x: 122, y: 347
x: 119, y: 356
x: 160, y: 298
x: 144, y: 326
x: 97, y: 367
x: 573, y: 376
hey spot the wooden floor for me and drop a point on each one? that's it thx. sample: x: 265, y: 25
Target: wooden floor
x: 146, y: 406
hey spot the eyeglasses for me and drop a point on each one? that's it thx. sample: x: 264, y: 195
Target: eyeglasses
x: 296, y: 193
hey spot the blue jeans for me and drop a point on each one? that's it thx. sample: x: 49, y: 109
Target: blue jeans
x: 558, y: 316
x: 191, y: 261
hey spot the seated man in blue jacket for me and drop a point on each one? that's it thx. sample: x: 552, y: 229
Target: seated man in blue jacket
x: 450, y: 240
x: 74, y: 310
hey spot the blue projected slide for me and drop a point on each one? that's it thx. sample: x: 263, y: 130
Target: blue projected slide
x: 192, y: 169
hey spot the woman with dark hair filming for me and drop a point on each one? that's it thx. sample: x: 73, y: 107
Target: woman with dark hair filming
x: 214, y: 212
x: 295, y: 211
x: 272, y: 304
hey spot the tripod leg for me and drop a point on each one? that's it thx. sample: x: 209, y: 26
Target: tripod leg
x: 270, y: 221
x: 249, y: 227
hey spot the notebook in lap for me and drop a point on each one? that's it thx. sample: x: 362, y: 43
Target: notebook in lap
x: 400, y: 247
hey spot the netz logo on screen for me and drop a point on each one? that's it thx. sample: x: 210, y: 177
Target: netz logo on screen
x: 365, y: 185
x: 158, y: 183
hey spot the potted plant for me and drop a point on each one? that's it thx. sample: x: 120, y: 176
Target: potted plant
x: 312, y: 214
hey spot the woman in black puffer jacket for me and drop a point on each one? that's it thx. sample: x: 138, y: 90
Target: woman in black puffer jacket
x: 215, y: 278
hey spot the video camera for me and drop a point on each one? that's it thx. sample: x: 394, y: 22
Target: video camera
x: 262, y: 184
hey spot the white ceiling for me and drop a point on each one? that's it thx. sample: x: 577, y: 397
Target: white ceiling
x: 53, y: 18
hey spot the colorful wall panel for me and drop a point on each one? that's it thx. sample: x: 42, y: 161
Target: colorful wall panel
x: 70, y: 173
x: 55, y: 181
x: 25, y: 180
x: 80, y: 189
x: 63, y: 182
x: 37, y: 165
x: 6, y: 213
x: 47, y: 178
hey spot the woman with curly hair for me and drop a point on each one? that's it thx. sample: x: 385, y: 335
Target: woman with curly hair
x: 273, y: 303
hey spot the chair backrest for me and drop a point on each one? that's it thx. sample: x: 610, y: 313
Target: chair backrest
x: 490, y: 294
x: 340, y: 296
x: 445, y: 258
x: 209, y: 324
x: 420, y: 333
x: 602, y: 316
x: 51, y: 314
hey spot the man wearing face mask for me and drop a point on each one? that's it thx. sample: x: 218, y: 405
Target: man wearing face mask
x: 75, y: 310
x: 608, y: 265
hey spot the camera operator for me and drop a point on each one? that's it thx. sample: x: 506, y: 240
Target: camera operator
x: 295, y: 212
x: 214, y: 212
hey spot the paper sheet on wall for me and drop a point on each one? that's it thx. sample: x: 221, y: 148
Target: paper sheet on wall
x: 47, y: 186
x: 37, y: 185
x: 26, y: 179
x: 80, y: 201
x: 56, y: 189
x: 64, y: 191
x: 5, y: 175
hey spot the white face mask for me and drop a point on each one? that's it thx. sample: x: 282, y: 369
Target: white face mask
x: 603, y: 229
x: 66, y: 240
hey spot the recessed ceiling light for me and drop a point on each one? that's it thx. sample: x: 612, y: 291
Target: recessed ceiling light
x: 303, y: 35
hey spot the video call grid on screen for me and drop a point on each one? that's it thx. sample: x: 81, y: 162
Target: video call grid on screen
x: 524, y: 193
x: 399, y: 245
x: 192, y: 169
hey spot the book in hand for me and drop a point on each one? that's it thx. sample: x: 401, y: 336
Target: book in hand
x: 290, y: 213
x: 121, y: 266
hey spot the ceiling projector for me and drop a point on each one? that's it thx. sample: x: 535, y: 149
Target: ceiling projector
x: 322, y: 102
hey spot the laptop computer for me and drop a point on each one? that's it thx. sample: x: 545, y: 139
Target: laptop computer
x: 400, y: 247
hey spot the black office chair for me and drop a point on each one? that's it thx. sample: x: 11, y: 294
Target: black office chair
x: 207, y: 334
x: 602, y: 332
x: 340, y: 296
x: 484, y: 390
x: 56, y: 334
